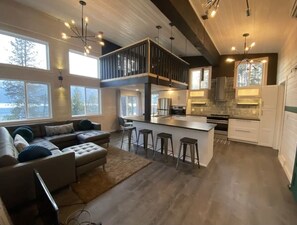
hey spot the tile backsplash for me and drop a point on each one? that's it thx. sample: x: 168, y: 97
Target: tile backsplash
x: 229, y: 106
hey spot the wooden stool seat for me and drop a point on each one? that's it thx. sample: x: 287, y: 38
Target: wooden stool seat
x: 164, y: 137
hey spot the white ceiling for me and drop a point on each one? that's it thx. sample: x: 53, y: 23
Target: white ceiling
x: 122, y: 21
x: 267, y: 24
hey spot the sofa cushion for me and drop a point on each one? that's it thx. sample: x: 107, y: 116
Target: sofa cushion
x: 33, y: 152
x: 93, y: 135
x: 60, y: 129
x: 61, y: 138
x: 85, y: 125
x: 25, y: 132
x: 20, y: 143
x: 45, y: 143
x: 8, y: 153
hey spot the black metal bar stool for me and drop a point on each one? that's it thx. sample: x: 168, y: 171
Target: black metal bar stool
x: 145, y: 133
x: 164, y: 137
x: 184, y: 142
x: 129, y: 131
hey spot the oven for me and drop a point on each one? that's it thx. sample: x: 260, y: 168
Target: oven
x: 178, y: 110
x: 222, y: 123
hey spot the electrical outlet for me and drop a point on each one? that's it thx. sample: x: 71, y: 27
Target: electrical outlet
x: 193, y: 110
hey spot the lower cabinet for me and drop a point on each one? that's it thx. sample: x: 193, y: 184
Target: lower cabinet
x: 243, y: 130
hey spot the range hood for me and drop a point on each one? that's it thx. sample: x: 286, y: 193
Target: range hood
x: 221, y: 88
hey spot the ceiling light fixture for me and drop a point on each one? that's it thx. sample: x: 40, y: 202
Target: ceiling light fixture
x: 83, y: 33
x: 211, y: 8
x: 246, y: 49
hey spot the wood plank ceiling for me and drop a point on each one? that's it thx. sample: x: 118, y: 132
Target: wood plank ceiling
x: 122, y: 21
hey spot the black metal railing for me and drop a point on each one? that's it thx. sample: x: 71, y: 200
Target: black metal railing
x: 143, y: 57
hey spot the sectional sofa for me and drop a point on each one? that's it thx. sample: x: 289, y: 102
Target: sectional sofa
x: 58, y: 170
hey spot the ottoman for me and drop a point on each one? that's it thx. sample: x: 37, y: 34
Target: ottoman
x: 95, y: 136
x: 87, y: 156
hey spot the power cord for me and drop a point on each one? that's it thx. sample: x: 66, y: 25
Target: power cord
x: 73, y: 218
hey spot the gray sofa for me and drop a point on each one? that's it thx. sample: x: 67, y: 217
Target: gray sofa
x: 57, y: 170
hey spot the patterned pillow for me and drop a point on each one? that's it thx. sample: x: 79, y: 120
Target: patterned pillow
x: 33, y: 152
x: 61, y: 129
x: 26, y: 133
x: 20, y: 143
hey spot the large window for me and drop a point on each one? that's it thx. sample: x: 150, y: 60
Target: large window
x: 154, y: 102
x: 85, y: 101
x: 200, y: 78
x: 23, y: 51
x: 21, y: 100
x: 251, y: 73
x: 129, y: 106
x: 82, y: 65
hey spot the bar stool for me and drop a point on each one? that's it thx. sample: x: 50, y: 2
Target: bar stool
x: 128, y: 130
x: 185, y: 141
x: 145, y: 133
x: 164, y: 137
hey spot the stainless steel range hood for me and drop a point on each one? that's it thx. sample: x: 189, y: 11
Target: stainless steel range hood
x: 221, y: 83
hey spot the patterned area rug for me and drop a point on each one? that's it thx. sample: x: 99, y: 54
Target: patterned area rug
x: 120, y: 165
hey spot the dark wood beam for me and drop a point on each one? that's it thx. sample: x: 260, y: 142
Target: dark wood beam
x: 184, y: 18
x: 147, y: 101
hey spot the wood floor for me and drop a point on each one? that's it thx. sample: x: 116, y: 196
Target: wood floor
x: 243, y: 185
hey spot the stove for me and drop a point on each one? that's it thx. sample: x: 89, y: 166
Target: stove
x: 221, y: 120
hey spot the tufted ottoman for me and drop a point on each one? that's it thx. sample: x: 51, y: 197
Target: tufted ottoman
x: 96, y: 136
x: 87, y: 156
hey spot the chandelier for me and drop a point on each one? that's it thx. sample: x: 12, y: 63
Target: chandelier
x: 211, y: 7
x: 246, y: 49
x: 82, y: 33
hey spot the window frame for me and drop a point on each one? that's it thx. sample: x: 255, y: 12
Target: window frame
x: 264, y: 73
x: 202, y: 71
x: 82, y: 54
x: 85, y: 105
x: 26, y: 102
x: 137, y: 103
x: 15, y: 35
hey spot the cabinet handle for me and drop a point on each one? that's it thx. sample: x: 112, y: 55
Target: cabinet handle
x: 246, y: 131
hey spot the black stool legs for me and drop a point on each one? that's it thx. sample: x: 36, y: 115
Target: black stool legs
x: 184, y: 142
x: 145, y: 133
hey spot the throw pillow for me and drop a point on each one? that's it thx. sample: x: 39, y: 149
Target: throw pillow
x: 60, y: 129
x: 85, y: 125
x: 20, y: 143
x: 26, y: 133
x: 33, y: 152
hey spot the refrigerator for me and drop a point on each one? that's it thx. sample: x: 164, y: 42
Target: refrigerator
x: 164, y: 106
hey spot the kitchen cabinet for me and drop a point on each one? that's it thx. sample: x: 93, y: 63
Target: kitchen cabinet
x: 268, y: 115
x: 243, y: 130
x: 178, y: 98
x: 248, y: 93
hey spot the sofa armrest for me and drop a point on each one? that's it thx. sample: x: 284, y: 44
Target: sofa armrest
x: 97, y: 126
x: 17, y: 181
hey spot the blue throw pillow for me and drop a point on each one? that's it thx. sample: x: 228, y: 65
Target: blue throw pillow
x: 25, y: 132
x: 33, y: 152
x: 85, y: 125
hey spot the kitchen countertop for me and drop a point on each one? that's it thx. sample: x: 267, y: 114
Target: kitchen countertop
x: 244, y: 118
x: 169, y: 121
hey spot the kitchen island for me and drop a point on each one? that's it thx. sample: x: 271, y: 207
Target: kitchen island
x: 204, y: 132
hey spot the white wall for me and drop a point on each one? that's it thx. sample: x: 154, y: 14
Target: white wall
x: 20, y: 19
x: 288, y: 74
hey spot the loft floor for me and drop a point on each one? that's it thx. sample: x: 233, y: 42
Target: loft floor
x: 243, y: 185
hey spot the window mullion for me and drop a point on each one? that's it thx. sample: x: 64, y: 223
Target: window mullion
x: 85, y: 101
x: 26, y: 101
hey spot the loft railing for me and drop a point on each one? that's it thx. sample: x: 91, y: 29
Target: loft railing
x: 143, y: 57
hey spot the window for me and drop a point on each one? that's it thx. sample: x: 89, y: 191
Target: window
x: 129, y: 105
x: 82, y: 65
x: 85, y: 101
x: 154, y: 101
x: 200, y: 78
x: 23, y: 51
x: 21, y: 100
x: 252, y: 73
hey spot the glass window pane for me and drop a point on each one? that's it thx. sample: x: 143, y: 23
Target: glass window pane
x: 83, y: 65
x: 123, y: 106
x: 204, y: 83
x: 154, y: 103
x: 12, y: 100
x: 243, y: 75
x: 196, y: 78
x: 92, y: 101
x: 256, y: 74
x: 77, y: 100
x: 38, y: 100
x: 20, y: 51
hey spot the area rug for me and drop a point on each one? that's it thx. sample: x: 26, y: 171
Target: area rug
x: 120, y: 165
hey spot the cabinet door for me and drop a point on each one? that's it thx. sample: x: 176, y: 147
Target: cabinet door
x: 269, y: 96
x: 267, y: 124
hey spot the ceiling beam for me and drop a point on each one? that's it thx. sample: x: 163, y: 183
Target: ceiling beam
x: 184, y: 18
